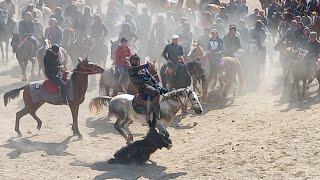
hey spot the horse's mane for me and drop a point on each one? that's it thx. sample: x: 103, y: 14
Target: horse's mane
x: 174, y: 94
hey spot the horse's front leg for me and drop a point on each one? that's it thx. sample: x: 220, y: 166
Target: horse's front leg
x: 75, y: 110
x: 33, y: 61
x: 7, y: 51
x: 304, y: 88
x: 119, y: 127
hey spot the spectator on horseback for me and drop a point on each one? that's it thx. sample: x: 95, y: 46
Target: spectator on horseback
x: 272, y: 9
x: 58, y: 16
x: 144, y: 23
x: 98, y: 30
x: 306, y: 19
x: 122, y: 56
x: 303, y: 41
x: 128, y: 20
x: 129, y: 35
x: 158, y: 31
x: 290, y: 33
x: 215, y: 49
x: 258, y: 36
x: 27, y: 30
x: 204, y: 38
x: 9, y: 7
x: 243, y: 8
x: 232, y: 9
x: 313, y: 48
x: 53, y: 70
x: 53, y: 32
x: 252, y: 18
x: 186, y: 38
x: 29, y: 8
x: 147, y: 86
x: 85, y: 21
x: 244, y: 33
x: 231, y: 42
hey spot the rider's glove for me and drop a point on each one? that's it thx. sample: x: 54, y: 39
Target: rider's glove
x: 162, y: 90
x: 146, y: 66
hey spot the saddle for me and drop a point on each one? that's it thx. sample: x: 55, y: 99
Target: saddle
x: 139, y: 104
x: 48, y: 91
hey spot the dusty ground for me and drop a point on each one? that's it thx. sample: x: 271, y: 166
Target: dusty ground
x: 257, y: 137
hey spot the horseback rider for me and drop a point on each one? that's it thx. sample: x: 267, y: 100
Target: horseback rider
x: 313, y: 48
x: 122, y: 55
x: 53, y: 32
x: 231, y: 41
x: 244, y: 33
x: 214, y: 47
x: 173, y: 54
x: 290, y: 33
x: 98, y: 30
x: 147, y: 86
x: 303, y: 41
x: 8, y: 7
x: 58, y: 16
x: 27, y: 30
x: 258, y: 35
x: 186, y: 38
x: 85, y: 20
x: 53, y: 69
x: 128, y: 34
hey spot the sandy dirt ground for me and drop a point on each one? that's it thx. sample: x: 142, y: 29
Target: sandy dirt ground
x: 257, y: 137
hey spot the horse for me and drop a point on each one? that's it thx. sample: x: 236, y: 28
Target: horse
x: 25, y: 51
x: 81, y: 46
x: 230, y: 73
x: 79, y: 80
x: 46, y: 44
x: 303, y: 71
x: 195, y: 68
x: 5, y: 32
x: 121, y: 107
x: 110, y: 81
x: 139, y: 151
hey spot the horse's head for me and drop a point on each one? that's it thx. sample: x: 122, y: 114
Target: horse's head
x: 157, y: 139
x: 193, y: 100
x: 88, y: 68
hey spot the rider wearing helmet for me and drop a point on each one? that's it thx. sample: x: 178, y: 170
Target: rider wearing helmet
x: 147, y: 86
x: 53, y: 68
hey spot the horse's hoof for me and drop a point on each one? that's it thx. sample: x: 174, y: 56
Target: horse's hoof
x: 39, y: 125
x: 80, y: 137
x: 19, y: 133
x: 130, y: 138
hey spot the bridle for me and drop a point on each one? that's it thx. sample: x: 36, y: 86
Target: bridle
x: 87, y: 71
x: 183, y: 104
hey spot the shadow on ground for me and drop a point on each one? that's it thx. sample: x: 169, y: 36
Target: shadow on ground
x: 25, y: 145
x: 114, y: 171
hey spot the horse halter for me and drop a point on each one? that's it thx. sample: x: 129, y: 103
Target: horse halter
x: 183, y: 104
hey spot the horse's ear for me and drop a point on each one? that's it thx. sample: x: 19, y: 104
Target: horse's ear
x: 80, y: 60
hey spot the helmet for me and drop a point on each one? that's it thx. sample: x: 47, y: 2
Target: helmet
x: 55, y: 48
x: 134, y: 59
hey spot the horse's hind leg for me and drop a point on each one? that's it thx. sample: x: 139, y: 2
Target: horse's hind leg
x: 7, y: 51
x: 119, y: 127
x: 125, y: 126
x: 19, y: 115
x: 37, y: 119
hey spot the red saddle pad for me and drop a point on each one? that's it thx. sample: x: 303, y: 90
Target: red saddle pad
x: 50, y: 87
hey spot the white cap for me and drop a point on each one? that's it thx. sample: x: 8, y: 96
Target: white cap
x: 175, y: 37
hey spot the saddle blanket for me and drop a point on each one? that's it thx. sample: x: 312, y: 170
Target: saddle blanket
x: 39, y: 93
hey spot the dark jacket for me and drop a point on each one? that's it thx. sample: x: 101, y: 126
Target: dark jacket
x: 141, y: 78
x: 51, y: 64
x: 231, y: 43
x: 172, y: 52
x: 26, y: 27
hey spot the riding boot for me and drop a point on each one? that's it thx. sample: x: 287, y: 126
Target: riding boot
x: 63, y: 93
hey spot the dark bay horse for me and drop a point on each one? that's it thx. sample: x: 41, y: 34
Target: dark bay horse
x: 79, y: 79
x: 24, y: 52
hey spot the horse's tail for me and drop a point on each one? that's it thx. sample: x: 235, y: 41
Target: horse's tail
x: 11, y: 95
x: 240, y: 75
x: 96, y: 104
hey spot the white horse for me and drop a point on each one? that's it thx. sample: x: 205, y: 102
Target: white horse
x: 121, y: 107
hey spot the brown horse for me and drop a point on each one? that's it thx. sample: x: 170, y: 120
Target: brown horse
x: 109, y: 80
x: 232, y: 71
x: 79, y: 80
